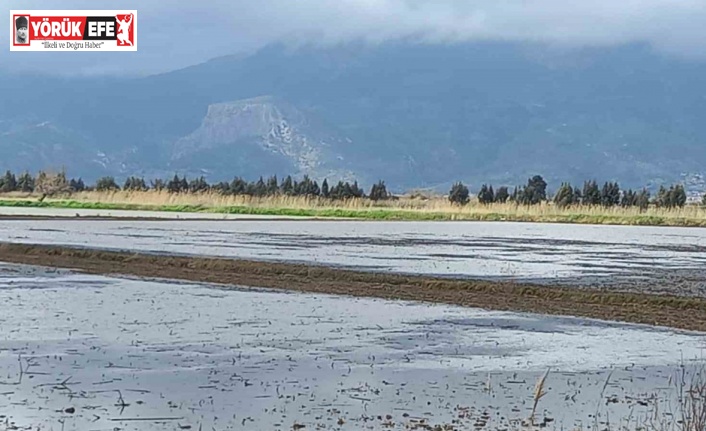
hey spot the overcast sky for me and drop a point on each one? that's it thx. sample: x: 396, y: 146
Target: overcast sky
x: 174, y: 34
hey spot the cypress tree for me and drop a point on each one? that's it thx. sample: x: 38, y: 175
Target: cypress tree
x: 459, y: 194
x: 337, y: 191
x: 356, y: 191
x: 379, y: 191
x: 610, y: 194
x: 591, y: 193
x: 25, y: 183
x: 287, y: 186
x: 642, y: 200
x: 174, y: 185
x: 260, y: 188
x: 106, y: 184
x: 198, y: 185
x: 628, y: 199
x: 564, y: 197
x: 8, y: 183
x: 486, y: 195
x: 238, y: 186
x: 77, y: 185
x: 325, y: 192
x: 662, y: 198
x: 578, y: 197
x: 272, y: 185
x: 535, y: 191
x: 678, y: 196
x: 502, y: 195
x: 222, y: 188
x: 158, y: 184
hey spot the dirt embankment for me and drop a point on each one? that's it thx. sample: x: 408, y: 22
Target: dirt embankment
x: 663, y: 310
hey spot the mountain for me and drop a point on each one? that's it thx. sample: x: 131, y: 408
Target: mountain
x: 414, y: 115
x: 261, y: 135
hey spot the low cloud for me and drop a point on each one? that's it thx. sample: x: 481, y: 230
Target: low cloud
x: 179, y: 34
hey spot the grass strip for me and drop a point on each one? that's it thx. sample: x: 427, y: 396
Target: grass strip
x: 371, y: 214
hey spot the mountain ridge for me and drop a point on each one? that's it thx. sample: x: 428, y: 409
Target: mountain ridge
x: 415, y: 116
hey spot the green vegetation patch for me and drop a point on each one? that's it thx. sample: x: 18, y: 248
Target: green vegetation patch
x: 371, y: 214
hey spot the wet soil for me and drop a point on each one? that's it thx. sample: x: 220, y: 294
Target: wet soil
x: 627, y: 305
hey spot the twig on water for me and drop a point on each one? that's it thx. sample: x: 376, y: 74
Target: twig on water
x: 539, y: 392
x: 600, y: 399
x: 147, y: 419
x: 121, y: 402
x: 22, y: 371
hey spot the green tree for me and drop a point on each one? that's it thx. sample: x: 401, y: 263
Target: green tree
x: 306, y: 187
x: 591, y: 193
x: 135, y: 184
x: 459, y: 194
x: 105, y: 184
x: 486, y: 195
x: 221, y: 187
x: 662, y: 198
x: 379, y: 191
x: 642, y: 200
x: 325, y: 192
x: 502, y: 195
x: 517, y: 194
x: 287, y: 186
x: 578, y: 196
x: 610, y: 194
x: 77, y: 185
x: 260, y: 188
x: 184, y: 185
x: 342, y: 191
x: 25, y: 183
x: 174, y: 185
x: 678, y: 196
x: 199, y: 185
x: 535, y: 191
x: 564, y: 197
x: 238, y: 186
x: 674, y: 197
x: 8, y: 183
x: 272, y: 186
x: 628, y: 199
x: 158, y: 184
x: 356, y: 191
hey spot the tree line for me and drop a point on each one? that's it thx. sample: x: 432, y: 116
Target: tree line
x: 532, y: 193
x: 609, y: 195
x: 53, y: 184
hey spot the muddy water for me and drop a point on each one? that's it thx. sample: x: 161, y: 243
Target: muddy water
x: 109, y: 353
x: 663, y: 259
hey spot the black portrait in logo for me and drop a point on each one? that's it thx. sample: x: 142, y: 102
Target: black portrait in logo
x: 21, y: 30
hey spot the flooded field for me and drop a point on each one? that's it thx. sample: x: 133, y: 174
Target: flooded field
x: 90, y: 352
x: 659, y: 259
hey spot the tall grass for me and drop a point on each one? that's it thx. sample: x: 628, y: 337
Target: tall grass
x: 404, y: 208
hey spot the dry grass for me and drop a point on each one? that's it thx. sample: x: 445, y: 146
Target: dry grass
x: 539, y: 392
x: 406, y: 207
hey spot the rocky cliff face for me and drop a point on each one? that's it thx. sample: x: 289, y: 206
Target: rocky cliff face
x: 263, y: 131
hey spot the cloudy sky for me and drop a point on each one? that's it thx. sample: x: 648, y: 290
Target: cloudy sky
x: 174, y: 34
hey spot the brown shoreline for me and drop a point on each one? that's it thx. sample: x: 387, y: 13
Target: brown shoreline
x: 662, y: 310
